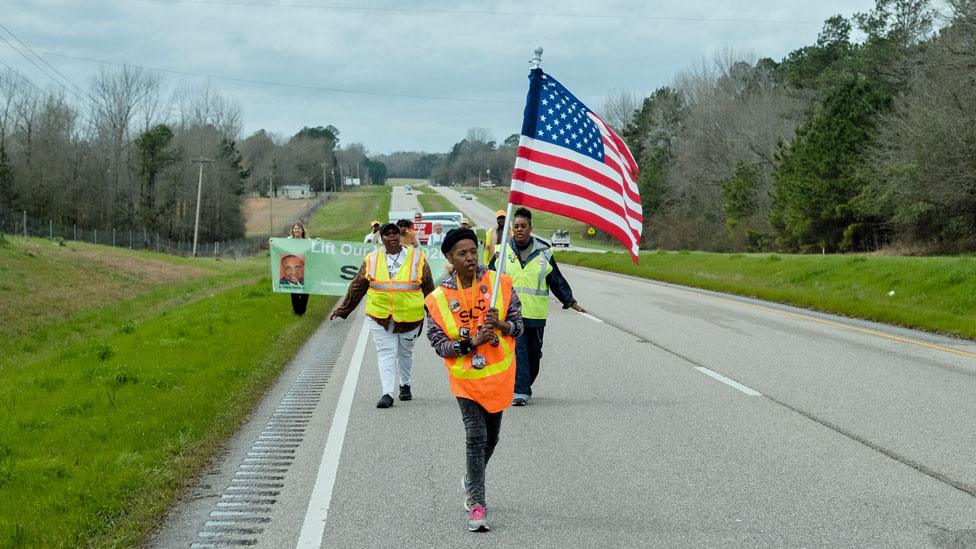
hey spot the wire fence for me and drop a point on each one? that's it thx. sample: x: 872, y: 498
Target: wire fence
x: 131, y: 238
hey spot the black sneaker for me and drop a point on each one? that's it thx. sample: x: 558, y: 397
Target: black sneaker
x: 519, y: 402
x: 405, y: 393
x: 385, y: 401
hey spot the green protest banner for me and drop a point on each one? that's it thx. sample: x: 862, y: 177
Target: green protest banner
x: 325, y: 267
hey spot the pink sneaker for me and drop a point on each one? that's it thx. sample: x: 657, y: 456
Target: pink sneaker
x: 476, y: 519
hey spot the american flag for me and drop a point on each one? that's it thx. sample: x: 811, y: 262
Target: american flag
x: 570, y: 163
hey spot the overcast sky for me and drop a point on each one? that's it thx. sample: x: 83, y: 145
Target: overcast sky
x: 402, y: 74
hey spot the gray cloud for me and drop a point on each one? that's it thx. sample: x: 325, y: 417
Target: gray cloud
x: 464, y: 55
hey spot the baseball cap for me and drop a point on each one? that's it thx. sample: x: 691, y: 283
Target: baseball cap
x: 500, y: 213
x: 374, y: 223
x: 390, y: 227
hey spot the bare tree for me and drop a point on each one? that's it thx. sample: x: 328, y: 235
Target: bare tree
x: 119, y: 98
x: 619, y: 108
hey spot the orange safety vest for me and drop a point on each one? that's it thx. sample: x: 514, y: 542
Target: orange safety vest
x: 494, y: 385
x: 400, y: 297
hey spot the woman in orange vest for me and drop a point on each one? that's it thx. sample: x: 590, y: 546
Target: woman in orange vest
x: 477, y: 344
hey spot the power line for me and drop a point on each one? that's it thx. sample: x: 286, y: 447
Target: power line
x: 340, y: 7
x: 38, y: 67
x: 22, y: 77
x: 42, y: 60
x: 289, y: 85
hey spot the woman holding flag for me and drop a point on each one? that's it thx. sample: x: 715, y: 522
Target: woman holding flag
x: 476, y: 339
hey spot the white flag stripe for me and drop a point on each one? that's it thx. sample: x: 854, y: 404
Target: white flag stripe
x: 560, y: 174
x: 575, y: 201
x: 635, y: 225
x: 610, y: 144
x: 613, y: 155
x: 581, y: 159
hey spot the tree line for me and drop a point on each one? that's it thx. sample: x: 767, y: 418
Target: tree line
x: 843, y: 145
x: 120, y: 154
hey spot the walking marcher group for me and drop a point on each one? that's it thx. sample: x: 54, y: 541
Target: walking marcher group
x: 491, y: 353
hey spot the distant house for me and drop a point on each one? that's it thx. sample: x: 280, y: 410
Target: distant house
x: 294, y: 191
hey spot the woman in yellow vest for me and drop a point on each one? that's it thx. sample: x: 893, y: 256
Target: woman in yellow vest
x: 534, y: 272
x: 478, y: 348
x: 394, y: 279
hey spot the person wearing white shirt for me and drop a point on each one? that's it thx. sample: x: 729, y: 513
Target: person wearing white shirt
x: 437, y: 236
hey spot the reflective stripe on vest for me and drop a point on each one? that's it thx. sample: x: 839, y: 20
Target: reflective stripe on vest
x: 499, y: 359
x: 530, y: 282
x: 401, y: 297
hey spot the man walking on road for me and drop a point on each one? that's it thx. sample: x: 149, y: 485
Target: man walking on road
x: 534, y: 272
x: 394, y: 279
x: 493, y: 236
x: 476, y: 344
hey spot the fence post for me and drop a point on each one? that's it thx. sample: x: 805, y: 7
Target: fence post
x: 157, y: 242
x: 25, y: 223
x: 145, y: 238
x: 113, y: 237
x: 96, y: 236
x: 75, y: 231
x: 130, y: 239
x: 50, y: 229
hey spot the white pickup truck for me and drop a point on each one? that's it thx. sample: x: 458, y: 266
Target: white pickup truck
x: 448, y: 220
x: 560, y: 238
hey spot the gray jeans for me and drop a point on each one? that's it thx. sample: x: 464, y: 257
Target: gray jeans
x: 481, y: 435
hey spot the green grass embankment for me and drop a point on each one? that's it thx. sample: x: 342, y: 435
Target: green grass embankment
x: 111, y: 404
x: 347, y: 215
x: 432, y: 201
x: 937, y: 294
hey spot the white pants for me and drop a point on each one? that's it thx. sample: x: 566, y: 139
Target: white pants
x: 393, y: 350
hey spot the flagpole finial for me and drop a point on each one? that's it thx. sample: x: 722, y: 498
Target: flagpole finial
x: 536, y: 62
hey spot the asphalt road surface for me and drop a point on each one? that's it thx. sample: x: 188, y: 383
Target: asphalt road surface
x: 860, y: 436
x: 667, y: 417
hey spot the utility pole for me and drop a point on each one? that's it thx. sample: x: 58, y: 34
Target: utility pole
x: 196, y: 224
x: 324, y: 172
x: 271, y: 204
x: 343, y: 181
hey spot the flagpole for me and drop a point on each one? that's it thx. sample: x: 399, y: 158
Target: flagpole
x: 534, y: 63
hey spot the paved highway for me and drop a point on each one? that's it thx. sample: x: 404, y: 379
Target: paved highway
x: 669, y: 417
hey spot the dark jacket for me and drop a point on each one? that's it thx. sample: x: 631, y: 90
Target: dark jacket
x: 555, y: 280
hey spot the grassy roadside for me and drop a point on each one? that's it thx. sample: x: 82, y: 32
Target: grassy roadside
x: 107, y: 411
x: 347, y: 215
x: 936, y: 294
x: 432, y: 201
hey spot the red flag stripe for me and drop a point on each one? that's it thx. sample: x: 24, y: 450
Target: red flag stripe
x: 561, y: 199
x: 561, y: 168
x: 560, y: 185
x: 531, y: 201
x: 600, y: 172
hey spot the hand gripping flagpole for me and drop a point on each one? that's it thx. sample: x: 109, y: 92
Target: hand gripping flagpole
x: 534, y: 63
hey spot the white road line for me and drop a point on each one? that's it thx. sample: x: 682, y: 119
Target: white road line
x: 730, y: 382
x: 591, y: 317
x: 313, y: 528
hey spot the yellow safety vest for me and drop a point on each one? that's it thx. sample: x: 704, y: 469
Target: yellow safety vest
x: 400, y: 297
x: 493, y: 385
x: 530, y: 282
x: 490, y: 243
